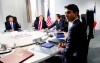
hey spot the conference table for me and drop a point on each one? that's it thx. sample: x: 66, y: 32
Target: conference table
x: 15, y: 39
x: 25, y: 39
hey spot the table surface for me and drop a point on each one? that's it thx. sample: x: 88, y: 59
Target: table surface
x: 23, y: 38
x: 14, y: 39
x: 40, y: 53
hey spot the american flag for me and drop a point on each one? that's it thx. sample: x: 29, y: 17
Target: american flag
x: 48, y: 18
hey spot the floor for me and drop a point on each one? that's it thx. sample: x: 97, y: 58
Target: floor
x: 94, y: 48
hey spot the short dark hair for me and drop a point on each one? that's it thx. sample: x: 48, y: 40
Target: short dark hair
x: 7, y: 18
x: 58, y: 15
x: 73, y: 7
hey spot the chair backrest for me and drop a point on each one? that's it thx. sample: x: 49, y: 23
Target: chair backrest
x: 15, y: 19
x: 65, y: 23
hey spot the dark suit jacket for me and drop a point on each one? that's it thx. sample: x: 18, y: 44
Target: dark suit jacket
x: 44, y: 25
x: 76, y: 41
x: 15, y: 25
x: 58, y: 26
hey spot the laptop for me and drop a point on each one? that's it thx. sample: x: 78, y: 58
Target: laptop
x: 56, y: 41
x: 17, y: 56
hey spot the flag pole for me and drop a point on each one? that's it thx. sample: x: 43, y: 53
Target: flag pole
x: 94, y: 15
x: 48, y: 4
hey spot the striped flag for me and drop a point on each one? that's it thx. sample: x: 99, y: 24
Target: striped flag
x: 95, y: 16
x: 48, y: 18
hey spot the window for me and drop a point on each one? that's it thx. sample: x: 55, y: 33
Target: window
x: 33, y: 9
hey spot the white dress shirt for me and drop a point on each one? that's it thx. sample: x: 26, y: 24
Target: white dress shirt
x: 70, y: 24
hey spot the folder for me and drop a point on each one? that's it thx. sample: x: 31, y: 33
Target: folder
x: 17, y: 56
x: 47, y: 45
x: 60, y: 35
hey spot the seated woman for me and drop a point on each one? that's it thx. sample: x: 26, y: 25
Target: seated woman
x: 40, y: 23
x: 11, y: 24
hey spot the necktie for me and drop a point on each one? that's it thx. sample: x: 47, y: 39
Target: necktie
x: 39, y: 25
x: 12, y: 25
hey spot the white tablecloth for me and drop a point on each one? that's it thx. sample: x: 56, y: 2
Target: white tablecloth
x: 20, y: 38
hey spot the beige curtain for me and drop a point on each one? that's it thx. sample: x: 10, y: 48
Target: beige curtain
x: 28, y: 8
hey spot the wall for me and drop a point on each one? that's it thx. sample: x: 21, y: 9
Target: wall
x: 59, y: 6
x: 98, y: 14
x: 52, y: 10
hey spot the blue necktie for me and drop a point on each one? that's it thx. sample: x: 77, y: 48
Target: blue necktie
x: 12, y: 25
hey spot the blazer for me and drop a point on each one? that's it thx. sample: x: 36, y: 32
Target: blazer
x: 15, y: 26
x: 76, y: 41
x: 44, y: 25
x: 58, y: 25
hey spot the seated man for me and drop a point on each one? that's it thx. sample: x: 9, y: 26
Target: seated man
x: 57, y: 23
x: 40, y: 23
x: 11, y: 25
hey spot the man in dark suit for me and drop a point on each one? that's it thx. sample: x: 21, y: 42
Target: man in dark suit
x: 76, y: 44
x: 40, y: 23
x: 58, y: 23
x: 11, y: 25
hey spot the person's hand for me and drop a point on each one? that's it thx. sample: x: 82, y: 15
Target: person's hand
x: 11, y: 30
x: 32, y: 24
x: 46, y: 30
x: 65, y: 34
x: 19, y: 24
x: 58, y: 31
x: 61, y: 45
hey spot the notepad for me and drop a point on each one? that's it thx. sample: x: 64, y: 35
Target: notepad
x: 47, y: 45
x: 60, y: 35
